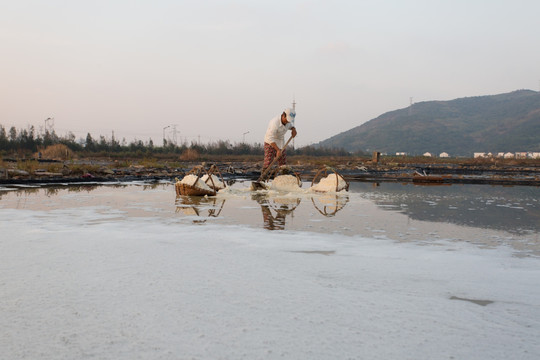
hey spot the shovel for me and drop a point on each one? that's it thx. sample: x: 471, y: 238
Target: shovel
x: 259, y: 184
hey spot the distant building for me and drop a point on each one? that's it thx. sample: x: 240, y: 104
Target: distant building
x: 509, y: 155
x: 500, y: 155
x: 534, y: 155
x: 427, y: 154
x: 401, y: 154
x: 444, y: 155
x: 521, y: 155
x: 479, y: 155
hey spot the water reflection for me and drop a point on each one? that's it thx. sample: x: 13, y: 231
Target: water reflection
x: 276, y: 209
x: 199, y: 207
x: 366, y: 208
x: 515, y: 209
x: 330, y: 204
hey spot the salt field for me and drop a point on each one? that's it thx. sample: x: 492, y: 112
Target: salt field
x: 385, y: 271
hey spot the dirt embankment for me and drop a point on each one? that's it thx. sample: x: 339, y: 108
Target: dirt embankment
x: 47, y: 171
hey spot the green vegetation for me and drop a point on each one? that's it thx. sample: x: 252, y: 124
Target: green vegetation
x: 27, y: 143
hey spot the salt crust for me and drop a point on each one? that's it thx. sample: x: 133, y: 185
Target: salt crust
x: 285, y: 183
x: 190, y: 180
x: 116, y: 287
x: 218, y: 183
x: 328, y: 184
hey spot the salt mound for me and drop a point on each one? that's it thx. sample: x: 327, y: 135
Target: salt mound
x: 217, y: 183
x: 328, y: 184
x: 285, y: 183
x: 190, y: 180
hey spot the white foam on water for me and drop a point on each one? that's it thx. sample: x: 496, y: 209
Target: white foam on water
x: 75, y: 284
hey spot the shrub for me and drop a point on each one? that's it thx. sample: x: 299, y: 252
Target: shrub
x: 57, y: 152
x: 190, y: 155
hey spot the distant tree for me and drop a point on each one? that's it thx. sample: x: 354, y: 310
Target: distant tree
x: 3, y: 139
x: 89, y: 144
x: 13, y: 135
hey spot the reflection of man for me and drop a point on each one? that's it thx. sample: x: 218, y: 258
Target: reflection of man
x: 273, y: 139
x: 284, y: 207
x: 272, y: 222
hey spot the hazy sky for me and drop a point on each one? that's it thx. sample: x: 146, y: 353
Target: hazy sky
x: 218, y: 69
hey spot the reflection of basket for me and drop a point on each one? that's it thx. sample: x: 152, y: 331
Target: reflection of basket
x: 328, y: 209
x: 191, y: 189
x: 193, y: 205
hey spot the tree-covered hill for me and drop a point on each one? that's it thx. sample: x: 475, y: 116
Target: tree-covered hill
x: 497, y: 123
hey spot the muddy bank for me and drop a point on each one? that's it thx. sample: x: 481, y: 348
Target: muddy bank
x: 102, y: 171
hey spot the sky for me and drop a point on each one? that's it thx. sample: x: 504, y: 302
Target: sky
x: 220, y: 70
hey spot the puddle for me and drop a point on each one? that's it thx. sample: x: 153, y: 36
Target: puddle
x: 405, y: 213
x: 319, y: 252
x: 477, y: 302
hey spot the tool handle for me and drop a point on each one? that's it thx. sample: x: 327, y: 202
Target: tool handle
x: 273, y: 161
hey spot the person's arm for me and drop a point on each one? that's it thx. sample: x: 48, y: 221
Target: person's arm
x: 293, y: 132
x: 278, y: 150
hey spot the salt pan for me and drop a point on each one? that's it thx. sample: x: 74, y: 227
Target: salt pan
x: 329, y: 183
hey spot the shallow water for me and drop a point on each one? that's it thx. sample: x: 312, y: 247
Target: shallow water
x: 484, y: 215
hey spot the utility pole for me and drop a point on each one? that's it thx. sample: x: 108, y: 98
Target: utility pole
x: 174, y: 135
x: 49, y: 125
x: 244, y: 137
x: 166, y: 127
x: 294, y: 108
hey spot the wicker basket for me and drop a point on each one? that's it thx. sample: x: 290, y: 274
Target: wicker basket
x: 192, y: 190
x: 286, y: 170
x: 210, y: 182
x: 323, y: 172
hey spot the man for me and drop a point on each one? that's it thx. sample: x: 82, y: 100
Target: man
x: 273, y: 140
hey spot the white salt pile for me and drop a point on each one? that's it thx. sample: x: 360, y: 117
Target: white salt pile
x: 329, y: 184
x: 285, y: 183
x: 190, y: 180
x: 218, y: 184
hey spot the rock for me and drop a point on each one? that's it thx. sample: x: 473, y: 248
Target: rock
x: 106, y: 171
x: 66, y: 170
x: 47, y: 174
x: 17, y: 172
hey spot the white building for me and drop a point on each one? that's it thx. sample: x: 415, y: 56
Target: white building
x: 509, y: 155
x: 479, y: 155
x: 427, y: 154
x: 534, y: 155
x: 444, y: 155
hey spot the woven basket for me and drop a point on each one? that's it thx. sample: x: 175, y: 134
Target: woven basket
x: 323, y: 172
x: 189, y: 190
x: 286, y: 170
x: 214, y: 170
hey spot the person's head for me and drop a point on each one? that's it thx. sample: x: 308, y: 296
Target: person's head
x: 288, y: 116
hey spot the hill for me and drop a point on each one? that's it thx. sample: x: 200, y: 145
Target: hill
x: 497, y: 123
